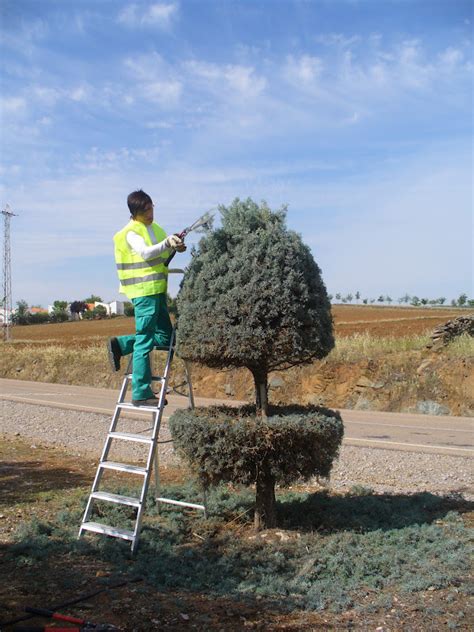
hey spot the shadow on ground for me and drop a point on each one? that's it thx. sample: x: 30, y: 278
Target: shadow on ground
x: 367, y: 512
x: 23, y: 480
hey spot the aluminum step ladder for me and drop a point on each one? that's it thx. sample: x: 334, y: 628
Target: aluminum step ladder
x: 144, y: 473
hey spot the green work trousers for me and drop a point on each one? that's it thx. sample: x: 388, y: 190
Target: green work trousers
x: 152, y: 329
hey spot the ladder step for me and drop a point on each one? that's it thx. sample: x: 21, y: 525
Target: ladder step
x: 105, y: 529
x: 128, y: 436
x: 154, y: 378
x: 129, y: 406
x: 180, y: 503
x: 123, y: 467
x: 116, y: 498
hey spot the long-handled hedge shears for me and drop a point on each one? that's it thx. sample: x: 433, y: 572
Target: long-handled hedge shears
x: 203, y: 223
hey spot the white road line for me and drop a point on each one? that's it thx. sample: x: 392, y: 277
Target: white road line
x: 46, y: 402
x: 408, y: 427
x: 410, y: 445
x: 89, y: 409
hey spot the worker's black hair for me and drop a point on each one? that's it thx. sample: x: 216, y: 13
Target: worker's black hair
x: 138, y: 201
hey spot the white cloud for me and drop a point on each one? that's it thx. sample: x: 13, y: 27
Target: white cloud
x: 166, y: 93
x: 48, y: 96
x: 81, y: 93
x: 12, y: 105
x: 25, y: 40
x: 338, y: 39
x: 158, y: 15
x: 306, y: 69
x: 352, y: 77
x: 157, y: 79
x: 222, y: 78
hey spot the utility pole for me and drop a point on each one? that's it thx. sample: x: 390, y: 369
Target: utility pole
x: 7, y: 274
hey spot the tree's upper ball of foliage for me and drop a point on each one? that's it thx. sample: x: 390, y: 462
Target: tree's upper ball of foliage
x: 253, y: 295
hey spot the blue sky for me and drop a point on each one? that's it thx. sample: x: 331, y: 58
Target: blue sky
x: 355, y: 113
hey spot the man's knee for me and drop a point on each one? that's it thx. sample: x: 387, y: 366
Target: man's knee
x: 144, y: 325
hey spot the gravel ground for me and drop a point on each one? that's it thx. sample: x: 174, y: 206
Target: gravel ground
x: 390, y: 471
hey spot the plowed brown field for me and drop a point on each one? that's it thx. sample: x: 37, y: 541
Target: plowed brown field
x: 349, y: 319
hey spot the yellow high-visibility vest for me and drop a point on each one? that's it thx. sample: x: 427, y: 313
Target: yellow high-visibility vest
x: 139, y: 277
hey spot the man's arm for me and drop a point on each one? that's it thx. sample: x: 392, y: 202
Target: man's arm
x: 138, y: 245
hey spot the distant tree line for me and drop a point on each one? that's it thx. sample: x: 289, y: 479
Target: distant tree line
x: 406, y: 299
x: 65, y: 310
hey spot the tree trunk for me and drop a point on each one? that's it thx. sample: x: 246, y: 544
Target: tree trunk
x: 265, y: 503
x: 260, y: 379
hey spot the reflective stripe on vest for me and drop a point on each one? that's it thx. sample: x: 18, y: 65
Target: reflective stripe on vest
x: 153, y: 274
x: 149, y: 277
x: 142, y: 264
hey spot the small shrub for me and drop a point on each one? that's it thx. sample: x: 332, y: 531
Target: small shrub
x: 99, y: 311
x: 128, y: 309
x: 59, y: 316
x: 237, y: 445
x: 39, y: 318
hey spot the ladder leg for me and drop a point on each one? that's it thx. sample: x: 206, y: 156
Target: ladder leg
x: 157, y: 480
x: 187, y: 372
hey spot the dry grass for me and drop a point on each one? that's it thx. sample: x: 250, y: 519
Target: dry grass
x: 88, y: 365
x: 461, y: 347
x: 363, y: 346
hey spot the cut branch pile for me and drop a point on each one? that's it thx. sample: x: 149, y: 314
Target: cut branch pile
x: 444, y: 334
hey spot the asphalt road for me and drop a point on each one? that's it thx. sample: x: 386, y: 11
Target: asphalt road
x: 395, y: 431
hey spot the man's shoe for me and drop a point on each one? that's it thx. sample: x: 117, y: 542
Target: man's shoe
x: 114, y: 353
x: 151, y: 401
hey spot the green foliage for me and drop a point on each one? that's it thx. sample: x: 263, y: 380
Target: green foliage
x: 389, y: 544
x: 232, y: 444
x: 39, y: 318
x: 99, y: 311
x: 22, y: 313
x: 128, y: 309
x: 59, y: 314
x: 253, y: 295
x: 172, y: 306
x: 93, y: 299
x: 78, y: 307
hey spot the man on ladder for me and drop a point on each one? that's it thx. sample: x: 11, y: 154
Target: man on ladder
x: 142, y: 249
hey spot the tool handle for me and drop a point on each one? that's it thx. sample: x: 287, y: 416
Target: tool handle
x: 45, y: 629
x: 43, y: 612
x: 181, y: 235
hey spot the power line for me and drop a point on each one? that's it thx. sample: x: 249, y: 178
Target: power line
x: 7, y: 273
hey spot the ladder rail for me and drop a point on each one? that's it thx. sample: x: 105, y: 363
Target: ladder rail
x: 153, y: 448
x: 106, y: 449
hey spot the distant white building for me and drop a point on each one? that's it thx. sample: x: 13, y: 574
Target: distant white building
x: 5, y: 316
x: 115, y: 307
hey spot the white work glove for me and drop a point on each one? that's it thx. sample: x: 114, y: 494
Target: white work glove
x: 175, y: 242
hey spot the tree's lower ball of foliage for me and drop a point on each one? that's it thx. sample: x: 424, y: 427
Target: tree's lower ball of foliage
x: 234, y: 444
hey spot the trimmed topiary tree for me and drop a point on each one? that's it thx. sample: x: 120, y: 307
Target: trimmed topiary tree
x: 253, y: 297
